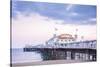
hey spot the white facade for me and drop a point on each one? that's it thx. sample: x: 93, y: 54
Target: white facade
x: 69, y: 41
x: 61, y: 39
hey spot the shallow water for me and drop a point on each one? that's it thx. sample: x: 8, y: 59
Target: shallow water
x: 18, y: 56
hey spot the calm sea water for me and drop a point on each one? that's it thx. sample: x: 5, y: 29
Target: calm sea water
x: 18, y: 56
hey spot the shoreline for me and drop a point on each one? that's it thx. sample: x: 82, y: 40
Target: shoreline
x: 47, y: 62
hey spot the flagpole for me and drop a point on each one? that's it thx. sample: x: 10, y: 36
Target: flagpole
x: 55, y: 30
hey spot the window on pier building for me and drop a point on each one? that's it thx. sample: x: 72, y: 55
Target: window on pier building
x: 61, y: 40
x: 65, y: 40
x: 62, y: 44
x: 65, y: 44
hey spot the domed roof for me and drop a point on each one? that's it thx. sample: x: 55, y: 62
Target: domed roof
x: 65, y: 36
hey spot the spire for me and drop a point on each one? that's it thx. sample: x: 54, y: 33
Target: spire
x: 76, y: 31
x: 76, y: 36
x: 55, y: 32
x: 56, y: 29
x: 82, y: 37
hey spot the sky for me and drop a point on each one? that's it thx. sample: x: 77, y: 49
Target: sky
x: 34, y: 23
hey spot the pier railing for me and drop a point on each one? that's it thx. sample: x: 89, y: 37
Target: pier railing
x: 75, y: 45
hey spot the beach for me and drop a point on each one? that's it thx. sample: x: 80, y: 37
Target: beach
x: 46, y: 62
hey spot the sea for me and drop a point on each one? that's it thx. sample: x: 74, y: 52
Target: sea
x: 19, y: 56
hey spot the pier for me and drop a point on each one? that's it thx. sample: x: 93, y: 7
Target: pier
x: 83, y: 50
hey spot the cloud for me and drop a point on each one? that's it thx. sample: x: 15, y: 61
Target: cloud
x: 36, y: 29
x: 69, y: 7
x: 59, y: 12
x: 33, y: 28
x: 92, y: 19
x: 89, y: 21
x: 73, y: 14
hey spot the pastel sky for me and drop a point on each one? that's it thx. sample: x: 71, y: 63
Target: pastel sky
x: 34, y: 22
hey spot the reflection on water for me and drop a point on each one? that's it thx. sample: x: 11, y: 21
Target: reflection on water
x: 18, y: 56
